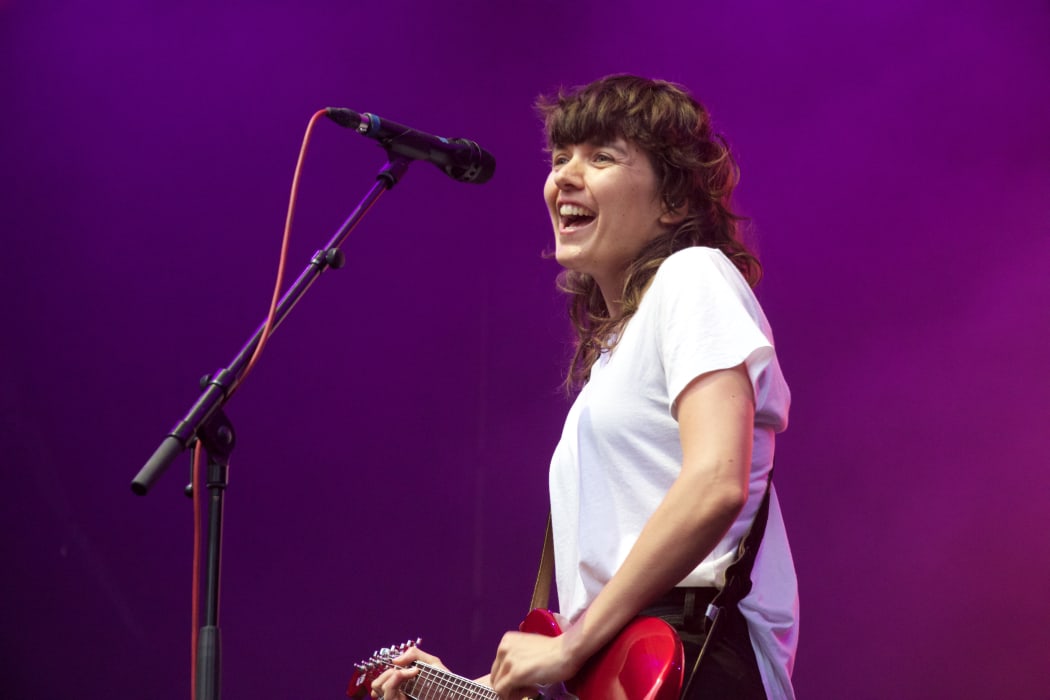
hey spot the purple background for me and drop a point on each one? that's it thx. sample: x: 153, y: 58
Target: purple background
x: 390, y: 476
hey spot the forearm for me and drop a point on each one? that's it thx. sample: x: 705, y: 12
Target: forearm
x: 693, y: 517
x: 715, y: 420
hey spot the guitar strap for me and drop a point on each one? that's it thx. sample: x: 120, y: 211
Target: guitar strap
x: 738, y: 579
x: 541, y: 590
x: 737, y: 586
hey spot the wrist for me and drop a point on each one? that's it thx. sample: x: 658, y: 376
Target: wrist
x: 577, y: 644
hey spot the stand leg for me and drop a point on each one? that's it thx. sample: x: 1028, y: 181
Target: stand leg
x: 218, y: 440
x: 209, y: 652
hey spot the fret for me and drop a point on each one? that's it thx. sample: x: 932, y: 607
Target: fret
x: 433, y: 683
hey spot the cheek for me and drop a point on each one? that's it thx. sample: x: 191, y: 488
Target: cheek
x: 550, y: 191
x: 550, y: 196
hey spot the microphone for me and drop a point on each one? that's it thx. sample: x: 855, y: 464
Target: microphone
x: 460, y: 159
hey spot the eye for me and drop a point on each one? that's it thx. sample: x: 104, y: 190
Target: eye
x: 559, y: 159
x: 602, y: 157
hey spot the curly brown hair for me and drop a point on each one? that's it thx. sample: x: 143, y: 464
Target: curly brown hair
x: 694, y: 169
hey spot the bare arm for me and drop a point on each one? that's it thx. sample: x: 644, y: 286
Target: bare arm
x: 715, y: 423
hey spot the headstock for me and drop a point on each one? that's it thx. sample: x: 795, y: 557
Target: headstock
x: 365, y: 672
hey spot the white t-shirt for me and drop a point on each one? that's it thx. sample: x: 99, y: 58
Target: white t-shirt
x: 619, y: 451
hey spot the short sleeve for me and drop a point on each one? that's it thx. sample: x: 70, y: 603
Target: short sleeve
x: 709, y: 319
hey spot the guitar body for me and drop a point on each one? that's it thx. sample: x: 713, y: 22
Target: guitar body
x: 644, y: 662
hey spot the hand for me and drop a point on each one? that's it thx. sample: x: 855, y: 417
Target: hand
x: 525, y: 661
x: 388, y: 685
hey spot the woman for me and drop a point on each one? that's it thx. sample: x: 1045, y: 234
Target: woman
x: 667, y: 450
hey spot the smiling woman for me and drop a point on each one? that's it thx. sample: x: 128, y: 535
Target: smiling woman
x: 660, y: 485
x: 605, y: 207
x: 658, y: 124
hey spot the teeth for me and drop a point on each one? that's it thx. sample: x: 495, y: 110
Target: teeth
x: 574, y: 210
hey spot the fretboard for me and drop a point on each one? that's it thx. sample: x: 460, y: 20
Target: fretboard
x: 433, y: 683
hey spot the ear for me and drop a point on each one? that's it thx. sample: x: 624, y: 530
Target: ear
x: 675, y: 215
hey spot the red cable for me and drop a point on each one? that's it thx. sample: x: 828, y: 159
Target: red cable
x: 268, y: 327
x: 267, y: 330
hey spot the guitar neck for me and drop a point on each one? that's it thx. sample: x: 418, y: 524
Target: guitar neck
x: 643, y: 661
x: 433, y: 683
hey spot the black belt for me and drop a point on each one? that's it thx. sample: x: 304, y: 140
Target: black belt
x: 681, y: 595
x: 693, y: 602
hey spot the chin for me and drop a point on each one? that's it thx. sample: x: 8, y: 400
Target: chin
x: 565, y: 259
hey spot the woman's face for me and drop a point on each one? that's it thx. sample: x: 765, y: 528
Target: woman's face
x: 604, y: 206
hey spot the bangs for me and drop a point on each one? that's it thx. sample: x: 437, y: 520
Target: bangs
x: 653, y: 114
x: 592, y: 121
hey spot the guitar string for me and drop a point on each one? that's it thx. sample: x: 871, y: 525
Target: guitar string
x: 433, y: 678
x: 455, y: 687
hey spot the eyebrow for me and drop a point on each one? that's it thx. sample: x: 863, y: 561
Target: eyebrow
x: 617, y: 144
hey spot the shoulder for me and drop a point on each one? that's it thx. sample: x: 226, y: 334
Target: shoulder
x: 701, y: 281
x: 698, y: 264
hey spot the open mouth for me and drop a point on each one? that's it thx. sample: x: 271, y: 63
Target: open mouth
x: 574, y: 216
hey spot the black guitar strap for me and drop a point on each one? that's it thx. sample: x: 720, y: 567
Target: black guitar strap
x: 738, y: 579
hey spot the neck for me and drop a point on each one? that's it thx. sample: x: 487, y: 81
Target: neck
x: 612, y: 294
x: 436, y: 682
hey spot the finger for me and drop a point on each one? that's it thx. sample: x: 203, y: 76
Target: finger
x: 503, y: 665
x: 501, y: 654
x: 386, y: 686
x: 376, y: 689
x: 417, y: 654
x: 494, y: 672
x: 506, y: 683
x: 389, y: 684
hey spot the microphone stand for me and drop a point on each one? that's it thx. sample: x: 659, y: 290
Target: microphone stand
x: 207, y: 422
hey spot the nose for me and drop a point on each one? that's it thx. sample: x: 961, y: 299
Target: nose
x: 569, y: 174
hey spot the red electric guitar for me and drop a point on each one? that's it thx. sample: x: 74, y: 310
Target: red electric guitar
x: 644, y: 662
